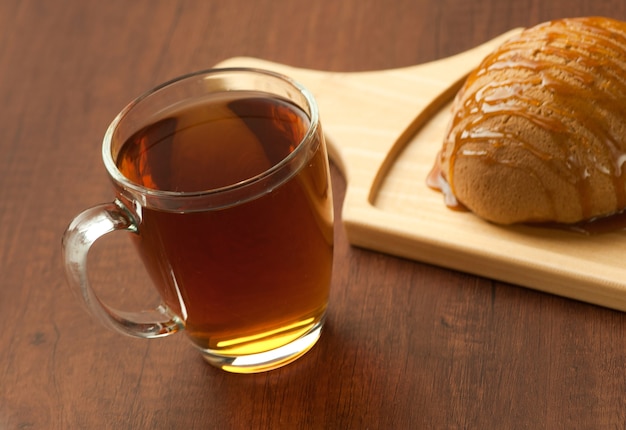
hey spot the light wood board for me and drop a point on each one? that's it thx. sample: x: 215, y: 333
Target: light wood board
x: 384, y: 129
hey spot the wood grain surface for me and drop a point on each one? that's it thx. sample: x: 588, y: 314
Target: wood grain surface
x: 407, y: 345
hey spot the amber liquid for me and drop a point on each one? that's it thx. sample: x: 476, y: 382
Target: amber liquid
x: 250, y: 277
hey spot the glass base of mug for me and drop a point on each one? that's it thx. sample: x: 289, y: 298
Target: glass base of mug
x: 267, y: 360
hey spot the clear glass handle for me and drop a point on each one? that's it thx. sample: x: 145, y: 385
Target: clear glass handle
x: 80, y: 235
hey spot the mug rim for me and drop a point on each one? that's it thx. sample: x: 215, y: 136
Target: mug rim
x: 144, y: 193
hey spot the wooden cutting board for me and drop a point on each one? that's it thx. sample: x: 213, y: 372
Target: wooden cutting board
x: 384, y: 129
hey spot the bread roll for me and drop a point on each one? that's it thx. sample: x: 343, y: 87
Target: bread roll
x: 538, y: 131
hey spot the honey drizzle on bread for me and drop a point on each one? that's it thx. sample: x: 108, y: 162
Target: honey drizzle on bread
x: 538, y: 131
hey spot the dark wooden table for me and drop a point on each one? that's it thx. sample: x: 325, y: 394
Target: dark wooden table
x: 407, y: 345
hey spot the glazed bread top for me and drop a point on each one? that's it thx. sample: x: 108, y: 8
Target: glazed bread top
x: 538, y: 131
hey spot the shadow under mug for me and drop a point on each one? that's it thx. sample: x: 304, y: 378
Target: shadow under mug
x: 221, y: 178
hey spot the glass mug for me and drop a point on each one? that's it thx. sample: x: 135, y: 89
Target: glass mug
x: 222, y: 179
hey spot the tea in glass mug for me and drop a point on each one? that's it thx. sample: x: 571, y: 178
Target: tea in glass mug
x: 222, y: 179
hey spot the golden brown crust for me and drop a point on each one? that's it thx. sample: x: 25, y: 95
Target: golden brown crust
x: 539, y: 129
